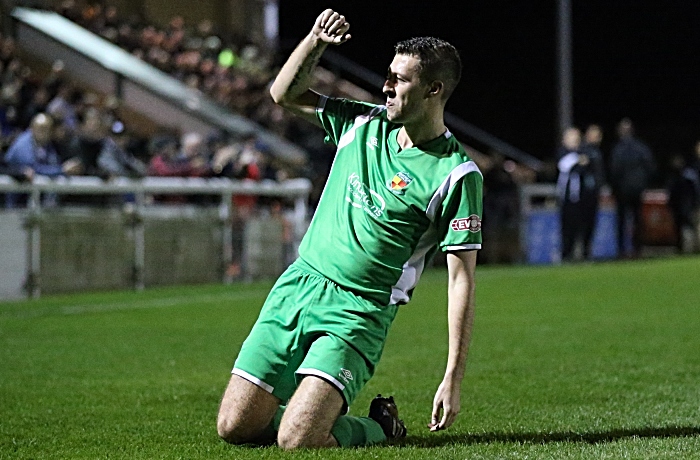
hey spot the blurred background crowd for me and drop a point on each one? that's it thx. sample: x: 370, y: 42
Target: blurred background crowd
x: 50, y: 125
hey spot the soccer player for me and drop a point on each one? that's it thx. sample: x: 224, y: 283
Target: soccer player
x: 401, y: 188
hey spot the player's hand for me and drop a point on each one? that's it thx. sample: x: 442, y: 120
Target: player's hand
x: 331, y: 27
x: 445, y: 403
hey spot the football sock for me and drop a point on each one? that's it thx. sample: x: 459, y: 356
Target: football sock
x: 357, y: 431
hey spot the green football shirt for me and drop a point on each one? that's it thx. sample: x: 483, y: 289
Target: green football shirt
x: 384, y: 211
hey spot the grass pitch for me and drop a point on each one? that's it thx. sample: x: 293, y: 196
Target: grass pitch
x: 581, y: 361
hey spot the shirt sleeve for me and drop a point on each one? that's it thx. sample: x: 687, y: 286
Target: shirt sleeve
x: 459, y: 218
x: 337, y: 115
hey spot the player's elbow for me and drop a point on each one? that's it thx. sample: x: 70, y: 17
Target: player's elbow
x: 278, y: 94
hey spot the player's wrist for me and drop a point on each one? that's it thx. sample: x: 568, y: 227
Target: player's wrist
x: 315, y: 39
x: 453, y: 378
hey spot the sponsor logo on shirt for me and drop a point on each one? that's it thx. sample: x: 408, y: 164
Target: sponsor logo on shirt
x: 363, y: 197
x: 471, y: 224
x: 399, y: 183
x: 373, y: 142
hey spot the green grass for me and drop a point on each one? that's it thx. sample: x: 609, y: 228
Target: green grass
x: 581, y: 361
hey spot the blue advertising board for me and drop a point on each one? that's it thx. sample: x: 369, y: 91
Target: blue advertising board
x: 543, y: 236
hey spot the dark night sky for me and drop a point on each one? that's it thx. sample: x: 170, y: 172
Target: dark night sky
x: 631, y: 58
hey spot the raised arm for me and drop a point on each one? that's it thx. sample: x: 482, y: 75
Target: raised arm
x: 461, y: 266
x: 291, y: 88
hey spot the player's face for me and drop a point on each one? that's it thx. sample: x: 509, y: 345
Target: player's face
x: 405, y: 93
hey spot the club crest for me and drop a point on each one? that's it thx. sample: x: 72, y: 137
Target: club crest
x: 399, y: 183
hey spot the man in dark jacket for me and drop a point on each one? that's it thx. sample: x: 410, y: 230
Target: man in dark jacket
x: 684, y: 201
x: 577, y: 186
x: 631, y: 169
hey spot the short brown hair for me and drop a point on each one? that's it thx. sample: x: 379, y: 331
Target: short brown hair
x: 438, y: 60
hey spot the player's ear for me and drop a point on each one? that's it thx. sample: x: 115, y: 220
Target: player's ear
x: 436, y: 88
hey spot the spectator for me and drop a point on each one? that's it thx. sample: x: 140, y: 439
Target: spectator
x: 85, y: 147
x: 695, y: 161
x: 115, y: 159
x: 33, y: 153
x: 63, y: 106
x: 19, y: 173
x: 36, y: 105
x: 684, y: 201
x: 570, y: 142
x: 592, y: 138
x: 55, y: 79
x: 239, y: 161
x: 578, y: 195
x: 193, y: 150
x: 9, y: 127
x: 631, y: 169
x: 695, y: 164
x: 214, y: 142
x: 500, y: 210
x: 169, y: 161
x: 62, y: 139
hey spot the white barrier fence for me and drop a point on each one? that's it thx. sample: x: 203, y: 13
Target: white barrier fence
x: 135, y: 224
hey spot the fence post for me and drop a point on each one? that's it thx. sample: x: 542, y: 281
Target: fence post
x: 139, y: 241
x: 225, y: 215
x: 34, y: 244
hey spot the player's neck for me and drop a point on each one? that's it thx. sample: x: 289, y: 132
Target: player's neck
x: 414, y: 134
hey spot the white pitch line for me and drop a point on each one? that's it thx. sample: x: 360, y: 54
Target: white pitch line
x: 136, y: 305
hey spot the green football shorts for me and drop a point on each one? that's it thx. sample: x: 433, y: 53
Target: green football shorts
x: 310, y: 326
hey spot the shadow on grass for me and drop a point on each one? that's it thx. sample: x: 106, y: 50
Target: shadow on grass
x: 546, y: 438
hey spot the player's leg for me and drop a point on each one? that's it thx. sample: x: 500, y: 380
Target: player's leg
x: 263, y: 374
x: 246, y: 413
x: 312, y: 419
x: 310, y: 415
x: 331, y: 375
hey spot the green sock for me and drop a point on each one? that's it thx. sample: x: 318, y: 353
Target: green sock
x: 357, y: 431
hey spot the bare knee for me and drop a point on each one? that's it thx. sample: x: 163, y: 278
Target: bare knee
x: 234, y: 430
x: 245, y: 413
x: 288, y: 439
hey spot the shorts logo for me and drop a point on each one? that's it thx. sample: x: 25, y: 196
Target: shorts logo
x: 471, y: 223
x: 399, y: 183
x: 345, y: 374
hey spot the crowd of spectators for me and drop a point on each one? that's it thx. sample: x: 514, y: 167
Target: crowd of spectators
x: 232, y: 71
x: 88, y: 137
x: 50, y: 126
x: 631, y: 169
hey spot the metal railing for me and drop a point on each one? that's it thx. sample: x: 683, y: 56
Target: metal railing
x: 140, y: 192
